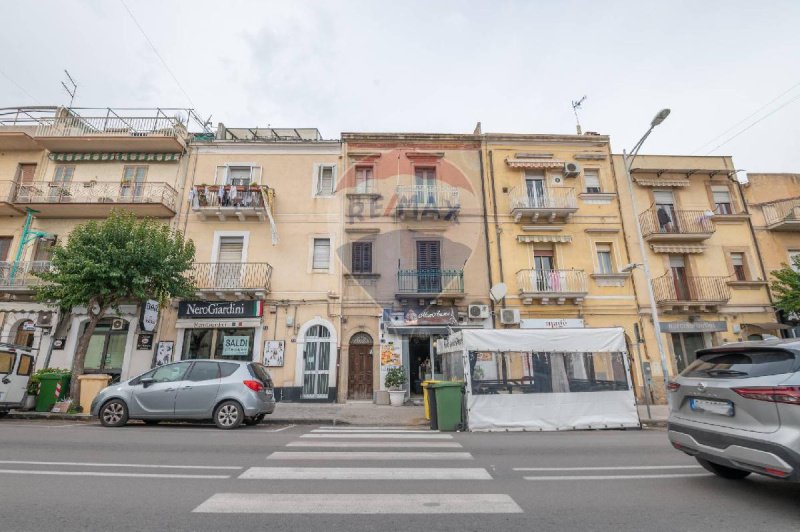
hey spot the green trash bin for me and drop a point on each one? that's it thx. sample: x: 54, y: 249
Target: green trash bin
x: 447, y: 401
x: 47, y: 390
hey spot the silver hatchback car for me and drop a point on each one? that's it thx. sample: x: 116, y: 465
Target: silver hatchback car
x: 230, y: 393
x: 736, y: 409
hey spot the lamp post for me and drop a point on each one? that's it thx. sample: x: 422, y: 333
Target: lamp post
x: 628, y: 163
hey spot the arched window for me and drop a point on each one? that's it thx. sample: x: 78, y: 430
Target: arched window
x: 317, y: 362
x: 361, y: 338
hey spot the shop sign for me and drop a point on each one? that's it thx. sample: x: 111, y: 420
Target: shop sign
x: 235, y: 346
x: 693, y: 326
x: 219, y: 325
x: 59, y: 343
x: 144, y: 342
x: 556, y: 323
x: 220, y: 309
x: 430, y: 316
x: 28, y: 325
x: 149, y: 317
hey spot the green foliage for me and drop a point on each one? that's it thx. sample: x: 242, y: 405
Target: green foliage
x: 121, y: 258
x: 33, y: 382
x: 395, y: 378
x: 786, y: 287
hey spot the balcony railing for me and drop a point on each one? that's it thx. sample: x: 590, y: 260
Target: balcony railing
x: 232, y: 276
x: 430, y: 282
x: 20, y: 275
x: 551, y: 281
x: 110, y: 125
x: 670, y: 289
x: 95, y: 192
x: 782, y: 213
x: 552, y: 198
x: 419, y: 200
x: 673, y: 224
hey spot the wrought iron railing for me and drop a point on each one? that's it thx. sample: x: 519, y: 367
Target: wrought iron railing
x: 96, y: 192
x: 430, y: 281
x: 781, y: 211
x: 231, y: 275
x: 431, y: 197
x: 664, y: 220
x: 709, y: 289
x: 551, y: 281
x: 110, y: 125
x: 550, y: 198
x: 21, y: 274
x: 222, y: 196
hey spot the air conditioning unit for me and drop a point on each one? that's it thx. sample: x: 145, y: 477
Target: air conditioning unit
x: 117, y: 324
x: 572, y: 169
x: 478, y: 312
x: 509, y: 316
x: 44, y: 319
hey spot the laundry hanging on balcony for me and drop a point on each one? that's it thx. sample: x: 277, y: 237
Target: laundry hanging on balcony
x: 111, y: 157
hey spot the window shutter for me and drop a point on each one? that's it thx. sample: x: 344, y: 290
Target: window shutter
x: 362, y: 257
x: 591, y: 180
x: 230, y: 249
x: 721, y: 194
x: 256, y: 174
x: 325, y: 181
x: 27, y: 173
x: 663, y: 197
x: 322, y: 254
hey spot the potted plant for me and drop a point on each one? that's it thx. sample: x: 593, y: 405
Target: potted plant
x: 254, y: 187
x: 395, y: 381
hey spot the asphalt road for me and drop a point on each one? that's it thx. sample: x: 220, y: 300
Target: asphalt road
x: 67, y: 476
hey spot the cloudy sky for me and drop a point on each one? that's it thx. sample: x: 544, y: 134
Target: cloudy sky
x: 436, y: 66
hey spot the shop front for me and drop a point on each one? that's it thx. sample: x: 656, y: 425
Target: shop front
x: 687, y: 337
x: 229, y: 330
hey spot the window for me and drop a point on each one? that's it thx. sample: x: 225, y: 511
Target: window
x: 794, y: 256
x: 169, y: 373
x: 5, y: 245
x: 722, y: 199
x: 25, y: 365
x: 737, y: 261
x: 322, y: 254
x: 6, y: 362
x: 362, y: 257
x: 26, y: 173
x: 363, y: 179
x: 591, y: 180
x: 133, y: 180
x: 604, y: 262
x: 325, y: 181
x: 239, y: 175
x: 61, y: 180
x: 44, y: 249
x: 203, y: 371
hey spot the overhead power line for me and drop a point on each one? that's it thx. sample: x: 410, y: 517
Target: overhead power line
x: 155, y: 50
x: 20, y: 87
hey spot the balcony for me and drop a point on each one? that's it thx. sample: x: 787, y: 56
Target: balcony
x: 111, y: 132
x: 7, y: 190
x: 19, y: 277
x: 223, y: 279
x: 435, y: 201
x: 782, y: 215
x: 552, y: 286
x: 430, y: 284
x: 93, y: 199
x: 691, y: 294
x: 555, y: 204
x: 673, y: 225
x: 241, y: 202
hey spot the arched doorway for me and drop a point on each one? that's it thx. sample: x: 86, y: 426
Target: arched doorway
x: 25, y: 334
x: 359, y: 367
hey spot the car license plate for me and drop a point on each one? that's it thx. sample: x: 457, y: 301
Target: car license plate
x: 721, y: 408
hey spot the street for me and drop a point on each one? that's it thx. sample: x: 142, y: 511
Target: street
x: 80, y: 476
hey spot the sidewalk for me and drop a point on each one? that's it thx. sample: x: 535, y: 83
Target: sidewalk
x: 659, y: 413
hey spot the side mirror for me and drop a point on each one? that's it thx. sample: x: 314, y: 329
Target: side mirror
x: 147, y: 381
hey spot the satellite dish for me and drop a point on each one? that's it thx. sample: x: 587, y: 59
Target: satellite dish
x: 498, y: 292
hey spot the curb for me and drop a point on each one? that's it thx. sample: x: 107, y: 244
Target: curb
x: 16, y: 414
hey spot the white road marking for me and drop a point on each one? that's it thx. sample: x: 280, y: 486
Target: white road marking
x: 102, y: 464
x: 278, y: 430
x: 365, y: 473
x: 377, y: 444
x: 359, y: 503
x: 367, y: 455
x: 620, y: 477
x: 613, y: 468
x: 106, y: 474
x: 423, y: 436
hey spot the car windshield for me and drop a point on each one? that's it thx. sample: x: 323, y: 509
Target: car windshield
x: 741, y: 364
x: 6, y: 362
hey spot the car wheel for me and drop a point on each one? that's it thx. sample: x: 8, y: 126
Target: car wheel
x: 228, y: 415
x: 114, y: 413
x: 151, y: 421
x: 723, y: 471
x: 255, y: 420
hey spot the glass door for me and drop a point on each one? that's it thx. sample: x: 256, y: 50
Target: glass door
x: 106, y: 350
x: 426, y: 186
x: 535, y: 189
x: 685, y: 347
x: 680, y: 281
x: 133, y: 181
x: 229, y: 262
x: 544, y: 272
x: 665, y: 211
x: 316, y: 362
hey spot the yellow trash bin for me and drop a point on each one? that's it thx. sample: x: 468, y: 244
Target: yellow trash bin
x: 90, y: 386
x: 425, y: 385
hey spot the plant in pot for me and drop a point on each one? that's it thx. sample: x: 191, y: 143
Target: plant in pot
x: 254, y: 187
x: 395, y: 381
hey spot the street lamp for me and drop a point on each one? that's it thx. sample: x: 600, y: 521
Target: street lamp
x: 628, y: 163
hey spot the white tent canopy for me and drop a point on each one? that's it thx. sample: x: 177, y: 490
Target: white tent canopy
x: 540, y: 340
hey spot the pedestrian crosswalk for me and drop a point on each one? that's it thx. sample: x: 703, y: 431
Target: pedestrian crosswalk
x: 348, y: 455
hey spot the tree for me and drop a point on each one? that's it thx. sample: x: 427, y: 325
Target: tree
x: 109, y: 262
x: 786, y: 287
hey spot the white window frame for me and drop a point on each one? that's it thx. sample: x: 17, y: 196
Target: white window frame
x: 311, y: 240
x: 612, y: 258
x: 255, y: 173
x: 596, y: 172
x: 218, y: 236
x: 792, y: 254
x: 315, y: 180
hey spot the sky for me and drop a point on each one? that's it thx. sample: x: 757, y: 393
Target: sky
x: 431, y: 66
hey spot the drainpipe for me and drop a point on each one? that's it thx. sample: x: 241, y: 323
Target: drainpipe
x: 486, y: 230
x: 496, y: 226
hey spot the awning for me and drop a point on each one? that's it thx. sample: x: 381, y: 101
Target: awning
x: 534, y: 163
x: 111, y: 157
x: 666, y: 182
x: 681, y: 248
x: 766, y: 327
x: 536, y: 239
x: 591, y: 340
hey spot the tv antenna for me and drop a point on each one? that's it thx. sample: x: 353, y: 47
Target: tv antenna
x: 576, y: 104
x: 71, y: 91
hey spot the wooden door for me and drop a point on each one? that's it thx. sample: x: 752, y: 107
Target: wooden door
x: 359, y: 383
